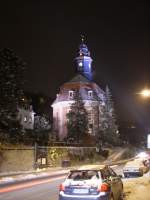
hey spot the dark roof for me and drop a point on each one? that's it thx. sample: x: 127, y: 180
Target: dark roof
x: 83, y: 85
x: 79, y: 79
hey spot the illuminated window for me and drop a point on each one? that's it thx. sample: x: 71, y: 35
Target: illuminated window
x: 68, y: 110
x: 90, y: 128
x: 71, y: 94
x: 80, y: 66
x: 90, y: 94
x: 90, y: 117
x: 30, y: 120
x: 25, y: 119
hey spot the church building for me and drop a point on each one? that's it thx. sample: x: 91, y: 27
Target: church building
x: 92, y: 96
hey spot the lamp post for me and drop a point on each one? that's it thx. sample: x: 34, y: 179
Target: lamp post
x: 145, y: 93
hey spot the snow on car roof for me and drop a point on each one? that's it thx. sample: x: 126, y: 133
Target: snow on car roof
x: 134, y: 163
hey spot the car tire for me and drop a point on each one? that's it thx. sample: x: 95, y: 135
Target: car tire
x: 121, y: 196
x: 111, y: 197
x: 141, y: 173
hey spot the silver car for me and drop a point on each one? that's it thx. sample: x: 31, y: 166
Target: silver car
x: 135, y: 168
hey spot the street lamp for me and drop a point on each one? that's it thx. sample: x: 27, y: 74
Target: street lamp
x: 145, y: 93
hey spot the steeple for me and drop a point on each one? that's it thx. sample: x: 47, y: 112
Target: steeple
x: 83, y: 60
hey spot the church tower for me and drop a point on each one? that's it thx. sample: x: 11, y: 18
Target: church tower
x: 92, y: 96
x: 84, y: 61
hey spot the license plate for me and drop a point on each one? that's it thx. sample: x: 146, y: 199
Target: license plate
x: 80, y: 191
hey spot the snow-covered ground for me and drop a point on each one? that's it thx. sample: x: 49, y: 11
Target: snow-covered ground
x: 22, y: 177
x: 137, y: 188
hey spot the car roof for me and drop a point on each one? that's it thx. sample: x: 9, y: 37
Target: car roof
x: 134, y: 163
x: 90, y: 167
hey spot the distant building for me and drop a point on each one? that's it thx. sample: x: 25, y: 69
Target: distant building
x: 26, y: 117
x: 92, y: 95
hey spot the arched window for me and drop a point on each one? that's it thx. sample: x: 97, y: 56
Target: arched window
x: 71, y: 94
x: 90, y: 94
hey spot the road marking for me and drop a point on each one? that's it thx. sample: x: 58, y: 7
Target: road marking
x: 27, y: 185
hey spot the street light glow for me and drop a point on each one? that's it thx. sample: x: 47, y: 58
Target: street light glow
x: 145, y: 93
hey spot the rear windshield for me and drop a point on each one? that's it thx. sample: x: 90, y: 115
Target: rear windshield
x: 83, y: 175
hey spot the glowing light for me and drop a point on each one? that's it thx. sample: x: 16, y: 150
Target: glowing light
x: 148, y: 141
x: 145, y: 93
x: 80, y: 64
x: 142, y: 155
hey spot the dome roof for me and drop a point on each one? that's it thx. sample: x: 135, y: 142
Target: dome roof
x: 83, y: 85
x: 79, y: 78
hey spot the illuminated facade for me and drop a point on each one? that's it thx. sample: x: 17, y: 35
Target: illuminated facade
x: 84, y: 61
x: 26, y: 117
x: 92, y: 95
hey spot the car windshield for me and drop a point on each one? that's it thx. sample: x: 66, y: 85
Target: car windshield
x: 83, y: 175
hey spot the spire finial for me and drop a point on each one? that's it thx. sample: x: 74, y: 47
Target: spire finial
x: 82, y: 38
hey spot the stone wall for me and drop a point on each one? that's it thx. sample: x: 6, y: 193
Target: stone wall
x: 16, y: 160
x: 23, y: 159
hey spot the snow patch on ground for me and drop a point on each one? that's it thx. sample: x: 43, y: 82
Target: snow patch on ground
x: 30, y: 176
x: 137, y: 188
x: 6, y: 180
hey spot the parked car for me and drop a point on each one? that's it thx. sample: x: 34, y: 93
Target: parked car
x: 100, y: 183
x: 135, y: 168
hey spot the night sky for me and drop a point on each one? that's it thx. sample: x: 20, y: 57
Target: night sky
x: 47, y: 35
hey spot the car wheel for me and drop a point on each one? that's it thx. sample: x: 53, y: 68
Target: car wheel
x: 121, y: 196
x: 111, y: 198
x: 141, y: 173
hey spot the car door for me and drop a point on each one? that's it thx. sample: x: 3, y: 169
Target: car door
x: 116, y: 182
x: 111, y: 181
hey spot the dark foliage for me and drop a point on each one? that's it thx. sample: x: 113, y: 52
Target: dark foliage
x: 77, y: 123
x: 11, y: 90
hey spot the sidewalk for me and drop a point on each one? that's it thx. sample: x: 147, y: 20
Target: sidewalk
x: 12, y: 177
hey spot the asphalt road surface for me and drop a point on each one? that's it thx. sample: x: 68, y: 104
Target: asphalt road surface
x: 43, y: 189
x: 46, y: 189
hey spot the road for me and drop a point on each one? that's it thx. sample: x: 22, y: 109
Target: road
x: 43, y: 189
x: 46, y: 189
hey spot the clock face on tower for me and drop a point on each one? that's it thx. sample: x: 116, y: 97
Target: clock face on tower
x: 84, y: 50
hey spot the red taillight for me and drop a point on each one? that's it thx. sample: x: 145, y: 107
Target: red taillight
x: 103, y: 188
x: 61, y: 187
